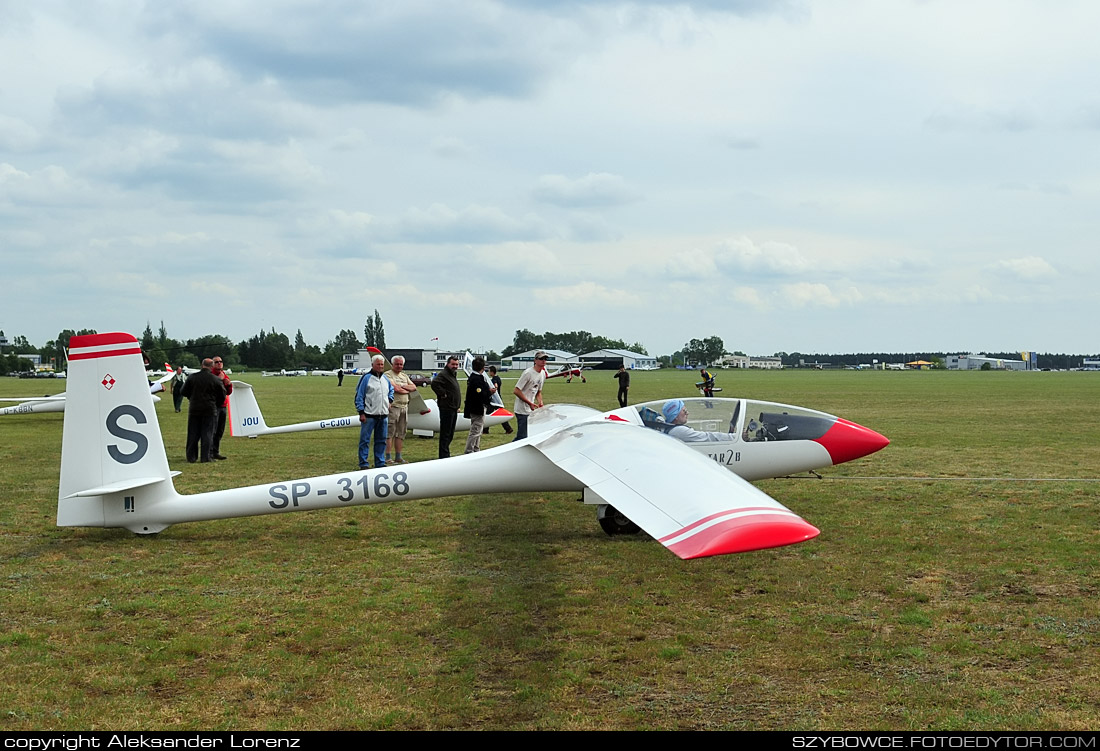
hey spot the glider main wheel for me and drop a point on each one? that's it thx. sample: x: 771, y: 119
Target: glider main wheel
x: 613, y: 521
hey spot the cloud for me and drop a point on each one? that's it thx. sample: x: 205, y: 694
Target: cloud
x: 587, y: 295
x: 742, y: 255
x: 816, y: 295
x: 514, y: 262
x: 474, y: 224
x: 17, y: 135
x: 412, y: 53
x: 594, y: 190
x: 956, y: 118
x: 1028, y: 268
x: 49, y: 186
x: 450, y: 148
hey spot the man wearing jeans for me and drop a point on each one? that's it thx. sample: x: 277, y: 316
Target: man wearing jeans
x: 372, y: 400
x: 528, y: 393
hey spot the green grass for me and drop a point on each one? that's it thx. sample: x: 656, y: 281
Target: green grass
x: 924, y: 604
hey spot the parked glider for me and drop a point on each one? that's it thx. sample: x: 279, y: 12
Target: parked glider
x: 38, y: 404
x: 114, y: 470
x: 246, y: 420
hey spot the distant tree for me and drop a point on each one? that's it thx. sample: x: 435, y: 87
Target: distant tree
x: 703, y: 352
x: 209, y: 345
x: 266, y: 350
x: 374, y: 334
x: 345, y: 343
x: 577, y: 342
x: 523, y: 341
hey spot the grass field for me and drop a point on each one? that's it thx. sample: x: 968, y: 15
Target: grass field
x: 968, y: 600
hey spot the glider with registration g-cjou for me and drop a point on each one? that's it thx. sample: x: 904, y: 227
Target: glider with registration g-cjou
x: 115, y: 473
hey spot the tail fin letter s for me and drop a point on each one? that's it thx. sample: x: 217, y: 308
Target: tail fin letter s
x: 112, y: 440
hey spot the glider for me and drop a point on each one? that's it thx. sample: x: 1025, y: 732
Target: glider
x: 115, y: 473
x: 246, y: 420
x: 39, y: 404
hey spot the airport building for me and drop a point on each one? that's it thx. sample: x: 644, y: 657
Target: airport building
x: 611, y: 359
x: 976, y: 362
x: 524, y: 360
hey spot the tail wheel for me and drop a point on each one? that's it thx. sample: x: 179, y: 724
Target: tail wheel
x: 613, y: 521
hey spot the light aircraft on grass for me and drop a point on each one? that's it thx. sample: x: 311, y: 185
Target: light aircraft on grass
x: 569, y: 370
x: 115, y: 473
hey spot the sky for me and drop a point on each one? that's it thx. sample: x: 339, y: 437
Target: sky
x: 788, y: 175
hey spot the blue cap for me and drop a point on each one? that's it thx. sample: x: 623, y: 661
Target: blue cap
x: 672, y: 409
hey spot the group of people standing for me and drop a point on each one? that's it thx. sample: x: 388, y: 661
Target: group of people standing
x: 207, y: 391
x: 382, y: 400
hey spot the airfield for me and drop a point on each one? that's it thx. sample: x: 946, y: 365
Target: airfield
x: 955, y: 583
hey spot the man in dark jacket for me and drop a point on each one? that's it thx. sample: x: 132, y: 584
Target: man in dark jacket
x: 205, y: 392
x: 624, y: 385
x: 447, y: 398
x: 479, y: 393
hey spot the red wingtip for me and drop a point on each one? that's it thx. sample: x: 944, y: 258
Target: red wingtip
x: 847, y: 440
x: 745, y: 533
x: 501, y: 412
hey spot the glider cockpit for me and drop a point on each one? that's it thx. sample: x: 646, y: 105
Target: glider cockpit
x: 746, y: 420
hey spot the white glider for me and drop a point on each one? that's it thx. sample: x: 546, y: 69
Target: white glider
x: 246, y: 420
x: 38, y: 404
x: 115, y: 473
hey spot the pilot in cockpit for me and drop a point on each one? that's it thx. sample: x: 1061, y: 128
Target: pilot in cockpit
x: 676, y: 415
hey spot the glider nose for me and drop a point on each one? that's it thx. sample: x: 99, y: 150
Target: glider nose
x: 847, y: 440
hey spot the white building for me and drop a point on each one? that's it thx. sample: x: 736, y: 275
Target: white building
x: 526, y: 359
x: 975, y: 362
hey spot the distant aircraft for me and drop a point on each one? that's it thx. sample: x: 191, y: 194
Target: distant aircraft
x: 115, y: 473
x: 569, y: 370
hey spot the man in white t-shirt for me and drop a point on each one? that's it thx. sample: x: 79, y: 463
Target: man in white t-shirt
x: 528, y: 393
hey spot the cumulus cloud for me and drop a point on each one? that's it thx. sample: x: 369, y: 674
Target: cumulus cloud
x: 519, y: 262
x: 742, y: 255
x: 816, y: 295
x: 473, y: 224
x: 1028, y: 268
x: 598, y: 189
x: 450, y: 148
x: 952, y: 118
x: 690, y: 264
x: 51, y: 185
x: 750, y: 297
x: 17, y: 135
x: 587, y: 294
x: 411, y: 53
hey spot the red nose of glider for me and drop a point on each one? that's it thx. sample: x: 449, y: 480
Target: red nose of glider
x: 847, y: 440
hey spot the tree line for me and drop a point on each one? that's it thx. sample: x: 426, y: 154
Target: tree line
x: 272, y: 350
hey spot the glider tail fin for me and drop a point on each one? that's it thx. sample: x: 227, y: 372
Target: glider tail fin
x: 245, y: 418
x: 112, y: 452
